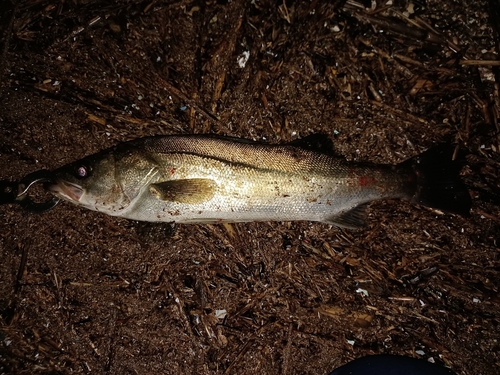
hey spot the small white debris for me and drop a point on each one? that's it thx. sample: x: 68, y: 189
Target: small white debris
x: 410, y: 8
x: 362, y: 291
x: 336, y: 29
x: 220, y: 314
x: 350, y: 342
x: 476, y: 300
x: 420, y: 352
x: 243, y: 59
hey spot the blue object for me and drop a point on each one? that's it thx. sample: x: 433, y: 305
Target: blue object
x: 391, y: 365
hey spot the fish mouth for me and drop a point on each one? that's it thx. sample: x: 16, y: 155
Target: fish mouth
x: 66, y: 190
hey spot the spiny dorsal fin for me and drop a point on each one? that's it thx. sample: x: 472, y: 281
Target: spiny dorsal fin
x: 315, y: 142
x: 352, y: 219
x: 191, y: 191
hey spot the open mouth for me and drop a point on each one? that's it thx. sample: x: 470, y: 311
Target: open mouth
x: 66, y: 190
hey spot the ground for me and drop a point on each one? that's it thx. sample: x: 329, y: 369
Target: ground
x: 81, y: 292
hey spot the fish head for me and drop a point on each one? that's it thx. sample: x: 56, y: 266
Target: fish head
x: 92, y: 183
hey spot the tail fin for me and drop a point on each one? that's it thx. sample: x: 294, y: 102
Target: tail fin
x: 438, y: 182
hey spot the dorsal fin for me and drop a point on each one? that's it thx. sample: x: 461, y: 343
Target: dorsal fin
x: 315, y: 142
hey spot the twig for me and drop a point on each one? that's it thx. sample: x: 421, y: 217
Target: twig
x: 240, y: 354
x: 480, y: 62
x: 175, y: 91
x: 287, y: 351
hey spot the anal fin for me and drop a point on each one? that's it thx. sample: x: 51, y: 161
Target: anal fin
x: 191, y: 191
x: 354, y: 218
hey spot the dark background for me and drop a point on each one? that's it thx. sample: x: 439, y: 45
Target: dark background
x: 84, y: 293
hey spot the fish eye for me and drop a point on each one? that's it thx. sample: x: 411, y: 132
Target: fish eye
x: 82, y: 171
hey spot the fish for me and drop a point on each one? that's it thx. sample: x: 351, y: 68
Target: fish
x: 212, y: 179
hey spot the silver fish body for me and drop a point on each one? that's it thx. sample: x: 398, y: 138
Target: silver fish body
x: 206, y: 179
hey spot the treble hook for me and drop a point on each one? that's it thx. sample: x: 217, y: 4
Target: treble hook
x: 17, y: 192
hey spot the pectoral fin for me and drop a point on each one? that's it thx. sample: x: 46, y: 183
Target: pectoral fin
x: 355, y: 218
x: 191, y: 191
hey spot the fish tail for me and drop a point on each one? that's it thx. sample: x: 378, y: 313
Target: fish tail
x: 438, y: 181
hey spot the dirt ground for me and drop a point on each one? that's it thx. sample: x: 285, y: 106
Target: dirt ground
x: 81, y: 292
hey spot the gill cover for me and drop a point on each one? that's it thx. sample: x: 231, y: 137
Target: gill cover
x: 91, y: 182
